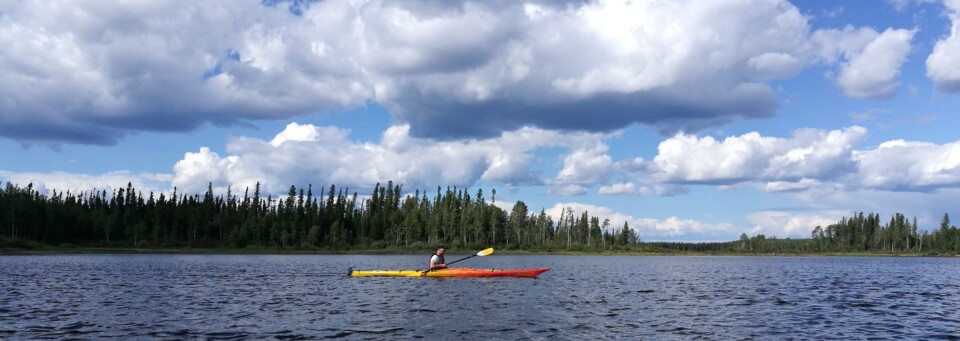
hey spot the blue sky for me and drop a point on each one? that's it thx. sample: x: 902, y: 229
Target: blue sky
x: 690, y: 120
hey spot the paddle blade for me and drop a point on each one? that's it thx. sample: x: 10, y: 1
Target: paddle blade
x: 485, y: 252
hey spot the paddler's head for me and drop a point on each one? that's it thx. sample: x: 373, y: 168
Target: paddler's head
x: 440, y: 250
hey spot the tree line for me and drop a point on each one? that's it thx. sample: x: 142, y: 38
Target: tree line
x: 859, y: 233
x: 899, y: 234
x: 332, y: 218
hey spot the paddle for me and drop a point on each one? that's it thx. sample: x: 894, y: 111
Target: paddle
x: 484, y: 252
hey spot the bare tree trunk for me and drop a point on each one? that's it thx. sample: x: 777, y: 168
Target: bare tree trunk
x: 519, y: 240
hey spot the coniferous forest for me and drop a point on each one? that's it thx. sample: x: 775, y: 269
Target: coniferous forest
x: 334, y: 219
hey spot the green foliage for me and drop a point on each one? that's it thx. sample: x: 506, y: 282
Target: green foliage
x: 336, y: 219
x: 17, y: 243
x: 865, y: 234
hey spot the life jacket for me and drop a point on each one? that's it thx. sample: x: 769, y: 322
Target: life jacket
x: 440, y: 259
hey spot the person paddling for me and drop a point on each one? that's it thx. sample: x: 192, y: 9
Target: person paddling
x: 437, y: 261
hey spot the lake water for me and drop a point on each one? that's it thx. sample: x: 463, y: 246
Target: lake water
x: 291, y: 297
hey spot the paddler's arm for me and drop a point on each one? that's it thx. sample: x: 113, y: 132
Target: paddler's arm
x: 434, y: 266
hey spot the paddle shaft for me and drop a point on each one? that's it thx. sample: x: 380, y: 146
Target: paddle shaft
x: 462, y: 259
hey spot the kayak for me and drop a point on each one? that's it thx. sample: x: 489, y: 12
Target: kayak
x: 450, y: 272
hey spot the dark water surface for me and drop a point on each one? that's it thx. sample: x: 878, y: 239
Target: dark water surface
x: 583, y: 297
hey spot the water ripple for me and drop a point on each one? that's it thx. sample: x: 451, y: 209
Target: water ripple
x: 584, y: 297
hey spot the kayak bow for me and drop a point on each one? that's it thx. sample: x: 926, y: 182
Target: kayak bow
x: 451, y: 272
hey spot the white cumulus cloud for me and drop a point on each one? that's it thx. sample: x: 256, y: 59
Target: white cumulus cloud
x: 74, y: 183
x: 623, y: 188
x: 651, y: 229
x: 943, y: 60
x: 870, y: 61
x: 308, y: 154
x: 872, y: 74
x: 583, y: 168
x: 782, y: 224
x: 809, y: 161
x: 83, y: 72
x: 900, y: 165
x: 751, y: 157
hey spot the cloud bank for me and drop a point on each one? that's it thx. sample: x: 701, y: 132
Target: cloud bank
x: 810, y: 160
x: 91, y: 73
x: 649, y: 229
x: 63, y: 182
x: 307, y: 154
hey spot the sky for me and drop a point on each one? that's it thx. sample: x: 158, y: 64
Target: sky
x: 688, y: 120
